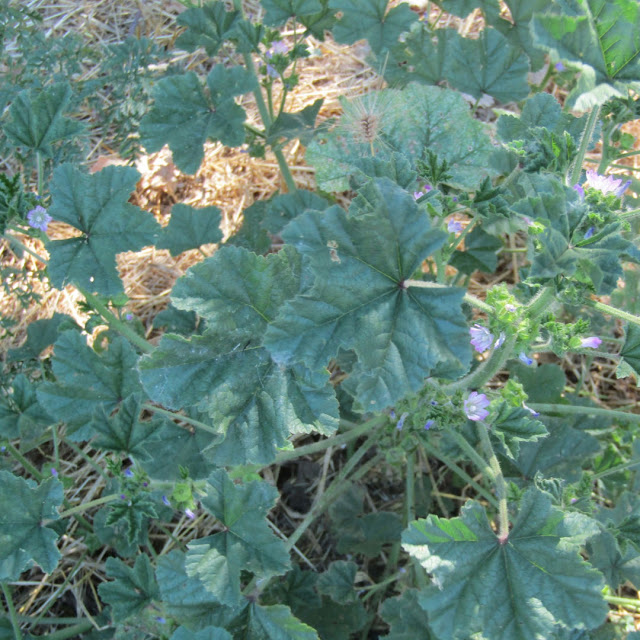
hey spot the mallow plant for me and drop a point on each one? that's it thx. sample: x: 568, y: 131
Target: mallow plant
x: 345, y: 332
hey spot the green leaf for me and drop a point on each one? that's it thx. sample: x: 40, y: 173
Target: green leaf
x: 131, y: 588
x: 208, y: 633
x: 36, y: 119
x: 318, y: 23
x: 86, y: 381
x: 480, y: 253
x: 630, y: 351
x: 522, y: 589
x: 300, y: 124
x: 190, y: 228
x: 616, y: 565
x: 132, y: 514
x: 407, y: 619
x: 513, y: 425
x: 41, y: 334
x: 173, y: 320
x: 25, y: 535
x: 287, y: 206
x: 462, y: 8
x: 270, y: 623
x: 337, y: 581
x: 115, y: 536
x: 602, y: 37
x: 97, y: 205
x: 185, y: 117
x: 360, y: 302
x: 21, y: 416
x: 411, y: 122
x: 186, y: 599
x: 123, y: 433
x: 488, y: 64
x: 207, y: 26
x: 279, y: 11
x: 369, y: 19
x: 544, y: 383
x: 246, y: 542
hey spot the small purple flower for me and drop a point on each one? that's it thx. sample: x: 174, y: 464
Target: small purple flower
x: 606, y: 184
x: 533, y: 412
x: 392, y: 414
x: 38, y: 218
x: 279, y: 47
x: 400, y: 424
x: 589, y: 233
x: 417, y: 194
x: 579, y: 190
x: 271, y: 70
x: 574, y: 500
x: 454, y: 199
x: 427, y: 187
x: 433, y: 403
x: 453, y: 226
x: 559, y: 66
x: 475, y: 406
x: 481, y: 338
x: 592, y: 342
x: 54, y: 472
x: 510, y: 307
x: 428, y: 424
x: 128, y: 473
x: 166, y: 501
x: 189, y: 514
x: 161, y: 620
x: 123, y: 497
x: 128, y: 317
x: 145, y: 484
x: 3, y: 449
x: 523, y: 357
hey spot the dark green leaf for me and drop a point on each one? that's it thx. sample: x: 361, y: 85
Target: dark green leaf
x: 184, y: 117
x: 133, y: 514
x: 190, y: 228
x: 115, y: 536
x: 97, y: 205
x: 488, y: 64
x: 544, y: 383
x: 369, y: 19
x: 246, y: 543
x: 359, y: 300
x: 410, y: 122
x: 270, y: 623
x: 407, y: 619
x: 174, y: 320
x: 462, y: 8
x: 20, y: 413
x: 369, y: 533
x: 284, y: 208
x: 207, y: 26
x: 334, y: 621
x: 36, y: 121
x: 521, y: 589
x: 513, y: 425
x: 630, y: 351
x: 41, y: 334
x: 208, y: 633
x: 24, y: 535
x: 320, y: 22
x: 337, y: 581
x: 252, y: 234
x: 279, y: 11
x: 131, y: 588
x: 480, y: 253
x: 300, y: 124
x: 616, y: 565
x: 86, y: 381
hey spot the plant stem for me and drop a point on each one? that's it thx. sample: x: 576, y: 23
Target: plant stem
x: 623, y: 602
x: 12, y: 239
x: 24, y: 462
x: 468, y: 298
x: 585, y: 141
x: 332, y: 441
x: 71, y: 632
x: 40, y: 172
x: 629, y: 214
x: 612, y: 311
x: 500, y: 484
x: 115, y: 323
x: 476, y: 458
x: 616, y: 469
x: 12, y: 611
x: 178, y: 416
x: 576, y: 410
x: 89, y: 505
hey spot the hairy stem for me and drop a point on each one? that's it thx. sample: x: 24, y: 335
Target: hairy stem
x: 174, y: 415
x: 612, y: 311
x: 587, y: 134
x: 577, y: 410
x: 89, y: 505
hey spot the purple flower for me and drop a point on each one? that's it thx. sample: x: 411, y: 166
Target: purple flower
x: 530, y: 410
x: 454, y: 199
x: 145, y: 484
x: 38, y: 218
x: 427, y: 187
x: 528, y: 221
x: 272, y: 71
x: 606, y: 184
x: 523, y: 357
x: 589, y: 233
x: 166, y: 501
x: 579, y: 190
x: 161, y: 620
x: 475, y: 406
x: 559, y: 66
x: 428, y: 424
x: 481, y: 338
x: 400, y: 424
x: 189, y: 514
x: 592, y: 342
x: 128, y: 317
x: 128, y: 473
x: 433, y: 403
x: 417, y: 194
x: 574, y: 500
x: 3, y: 448
x: 123, y: 497
x: 54, y: 472
x: 279, y: 47
x: 453, y: 226
x: 392, y: 414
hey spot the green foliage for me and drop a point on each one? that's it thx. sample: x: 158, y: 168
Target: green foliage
x: 97, y: 206
x: 513, y: 425
x: 207, y: 26
x: 475, y: 572
x: 279, y: 11
x: 407, y: 619
x: 190, y: 228
x: 25, y: 535
x: 480, y: 253
x: 41, y: 334
x: 21, y: 416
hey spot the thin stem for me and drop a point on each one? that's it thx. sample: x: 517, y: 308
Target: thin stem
x: 616, y: 469
x: 24, y: 462
x: 409, y: 489
x: 585, y: 141
x: 470, y: 299
x: 333, y: 441
x: 500, y: 484
x: 577, y: 410
x: 40, y: 172
x: 623, y: 602
x: 12, y: 610
x: 178, y: 416
x: 12, y: 239
x: 476, y: 458
x: 629, y: 214
x: 612, y: 311
x: 71, y: 632
x: 115, y: 323
x: 89, y: 505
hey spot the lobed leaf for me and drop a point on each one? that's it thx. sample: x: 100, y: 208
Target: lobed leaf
x: 279, y: 11
x: 190, y: 228
x: 208, y: 26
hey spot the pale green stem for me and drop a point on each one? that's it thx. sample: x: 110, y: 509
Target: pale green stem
x: 477, y: 459
x: 12, y: 611
x: 577, y: 410
x: 40, y: 172
x: 89, y: 505
x: 178, y: 416
x: 612, y: 311
x: 70, y: 633
x: 12, y: 239
x: 468, y: 298
x: 623, y: 602
x: 629, y: 214
x: 116, y: 323
x: 587, y: 135
x: 617, y: 469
